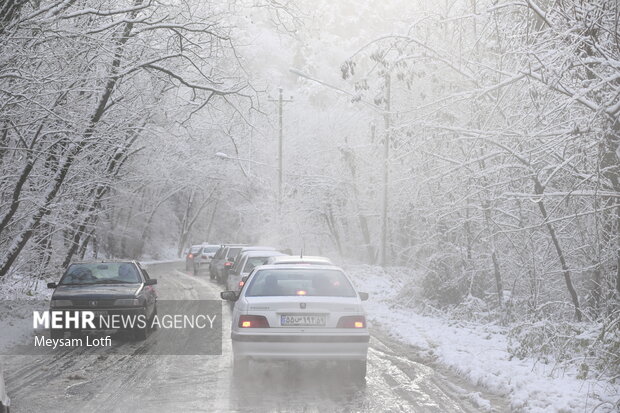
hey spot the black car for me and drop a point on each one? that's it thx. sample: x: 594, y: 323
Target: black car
x: 106, y: 288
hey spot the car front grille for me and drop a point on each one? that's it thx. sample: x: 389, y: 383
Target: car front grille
x: 92, y: 303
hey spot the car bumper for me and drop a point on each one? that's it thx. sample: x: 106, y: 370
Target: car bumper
x: 301, y: 346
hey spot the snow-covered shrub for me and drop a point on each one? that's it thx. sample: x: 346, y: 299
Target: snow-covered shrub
x: 588, y: 346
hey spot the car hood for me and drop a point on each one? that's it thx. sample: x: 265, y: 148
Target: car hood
x: 99, y: 291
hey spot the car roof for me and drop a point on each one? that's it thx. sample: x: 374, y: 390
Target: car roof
x: 302, y: 259
x: 105, y: 262
x: 257, y: 248
x: 262, y: 253
x: 297, y: 267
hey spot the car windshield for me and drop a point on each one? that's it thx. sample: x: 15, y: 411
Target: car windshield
x: 295, y: 282
x: 101, y: 273
x: 253, y: 262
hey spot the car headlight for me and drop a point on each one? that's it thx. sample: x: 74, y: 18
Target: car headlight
x: 60, y: 303
x: 127, y: 302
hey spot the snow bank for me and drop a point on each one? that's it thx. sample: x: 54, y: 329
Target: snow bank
x: 478, y: 352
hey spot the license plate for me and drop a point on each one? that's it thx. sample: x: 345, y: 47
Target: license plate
x: 100, y: 313
x: 298, y: 320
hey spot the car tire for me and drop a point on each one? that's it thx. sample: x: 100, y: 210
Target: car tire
x: 153, y: 317
x: 142, y: 334
x: 358, y: 369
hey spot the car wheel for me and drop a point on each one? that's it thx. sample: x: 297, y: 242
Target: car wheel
x: 141, y: 334
x: 153, y: 317
x: 357, y: 369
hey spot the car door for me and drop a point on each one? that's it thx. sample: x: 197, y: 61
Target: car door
x: 235, y: 273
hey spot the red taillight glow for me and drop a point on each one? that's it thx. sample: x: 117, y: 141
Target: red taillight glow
x: 228, y: 264
x: 253, y: 321
x: 190, y: 256
x: 241, y: 283
x: 352, y: 321
x: 302, y: 292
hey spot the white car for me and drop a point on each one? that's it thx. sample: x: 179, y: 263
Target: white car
x: 244, y: 265
x: 299, y: 312
x: 299, y: 259
x: 5, y: 402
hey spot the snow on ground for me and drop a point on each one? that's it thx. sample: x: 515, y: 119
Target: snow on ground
x: 478, y: 352
x: 19, y: 296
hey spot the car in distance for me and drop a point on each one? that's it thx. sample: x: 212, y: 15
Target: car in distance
x: 190, y: 255
x: 204, y: 256
x: 299, y: 312
x: 223, y: 261
x: 251, y: 248
x: 106, y: 288
x: 5, y: 402
x: 299, y: 259
x: 244, y: 264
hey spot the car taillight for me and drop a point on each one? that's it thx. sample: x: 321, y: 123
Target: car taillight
x: 190, y: 256
x: 352, y: 321
x: 253, y: 321
x: 228, y: 264
x: 241, y: 283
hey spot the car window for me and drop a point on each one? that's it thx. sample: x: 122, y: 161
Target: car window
x: 237, y: 264
x: 101, y: 273
x: 220, y: 252
x: 295, y: 282
x: 232, y: 252
x: 210, y: 250
x: 194, y: 250
x: 254, y: 262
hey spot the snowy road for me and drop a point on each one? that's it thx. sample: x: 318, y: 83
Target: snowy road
x: 97, y: 383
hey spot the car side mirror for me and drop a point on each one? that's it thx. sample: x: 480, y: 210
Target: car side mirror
x: 229, y: 295
x: 150, y: 282
x: 363, y: 296
x: 52, y: 285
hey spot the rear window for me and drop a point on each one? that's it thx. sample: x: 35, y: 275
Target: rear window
x: 220, y: 252
x: 295, y: 282
x: 232, y: 252
x: 254, y: 262
x: 210, y: 250
x: 194, y: 250
x: 101, y: 273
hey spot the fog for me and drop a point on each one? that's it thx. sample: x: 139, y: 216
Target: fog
x: 475, y: 143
